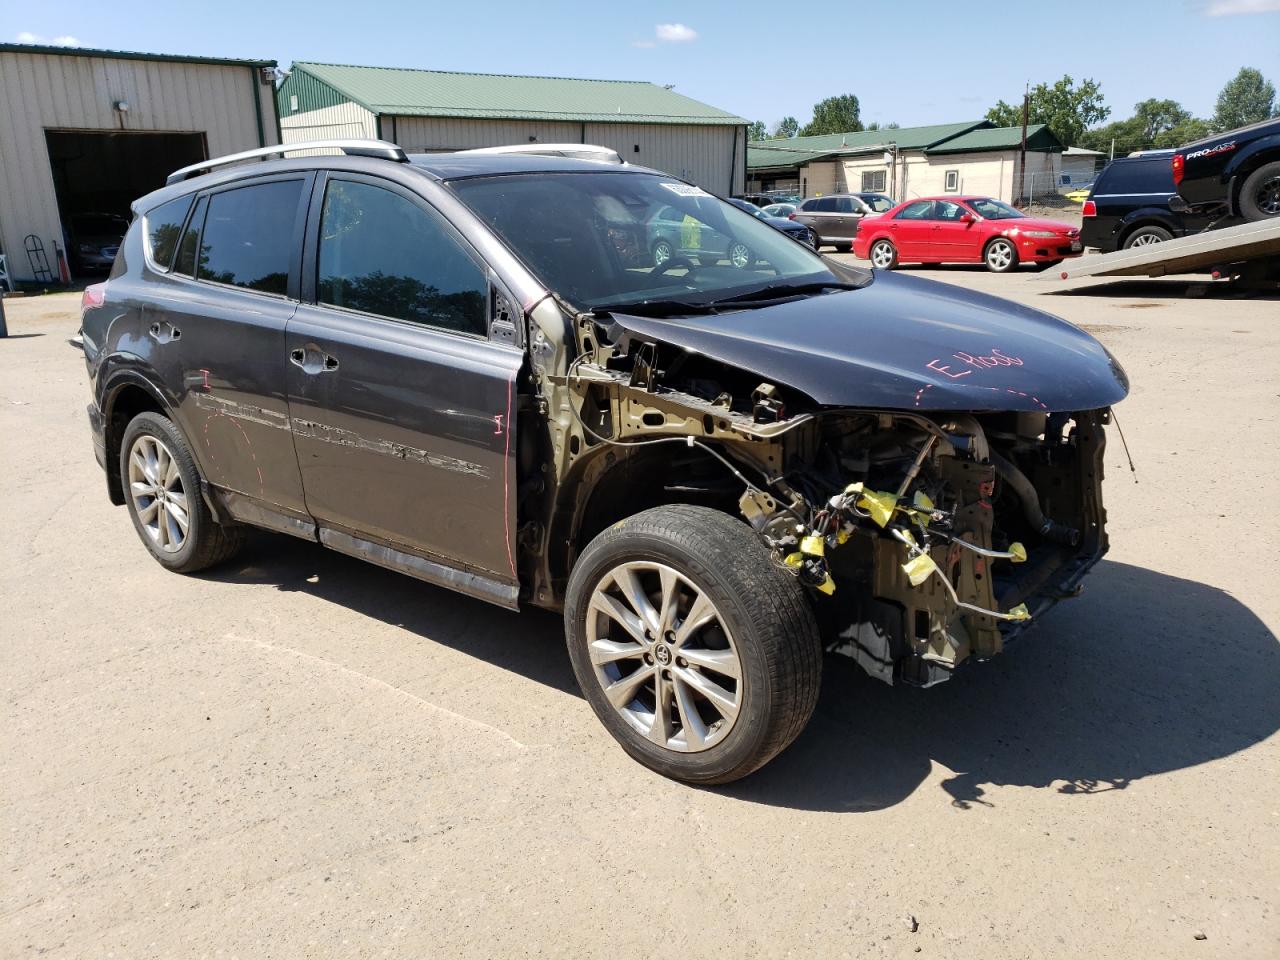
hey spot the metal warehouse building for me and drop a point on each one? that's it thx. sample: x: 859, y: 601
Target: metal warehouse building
x: 85, y: 132
x: 427, y: 111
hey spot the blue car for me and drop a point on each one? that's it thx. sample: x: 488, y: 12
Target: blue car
x: 794, y: 230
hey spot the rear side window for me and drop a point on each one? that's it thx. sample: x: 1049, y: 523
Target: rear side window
x: 381, y: 253
x: 1137, y: 176
x: 185, y: 262
x: 163, y: 225
x: 920, y: 210
x: 823, y: 205
x: 248, y: 236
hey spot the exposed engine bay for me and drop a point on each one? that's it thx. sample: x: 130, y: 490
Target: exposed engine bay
x: 925, y: 537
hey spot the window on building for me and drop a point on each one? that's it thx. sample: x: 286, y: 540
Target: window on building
x: 163, y: 224
x: 248, y: 236
x: 952, y: 182
x: 381, y: 253
x: 873, y: 181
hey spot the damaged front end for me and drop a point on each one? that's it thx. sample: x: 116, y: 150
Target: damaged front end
x: 926, y: 537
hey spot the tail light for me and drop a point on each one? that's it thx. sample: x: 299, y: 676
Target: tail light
x: 1179, y: 168
x: 791, y: 216
x: 95, y: 295
x: 1090, y: 209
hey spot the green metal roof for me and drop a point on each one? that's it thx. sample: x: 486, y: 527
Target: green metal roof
x: 128, y: 55
x: 795, y: 151
x: 1039, y: 139
x: 439, y: 93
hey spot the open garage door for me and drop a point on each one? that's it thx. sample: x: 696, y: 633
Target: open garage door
x: 98, y: 174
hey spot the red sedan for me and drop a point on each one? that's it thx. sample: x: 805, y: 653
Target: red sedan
x: 963, y: 230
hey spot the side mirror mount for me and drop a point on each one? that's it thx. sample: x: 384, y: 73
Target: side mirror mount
x: 966, y: 218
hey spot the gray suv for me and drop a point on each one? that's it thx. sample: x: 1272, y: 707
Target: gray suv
x: 468, y: 368
x: 834, y: 218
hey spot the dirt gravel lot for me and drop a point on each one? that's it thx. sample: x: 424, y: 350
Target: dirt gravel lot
x: 303, y: 756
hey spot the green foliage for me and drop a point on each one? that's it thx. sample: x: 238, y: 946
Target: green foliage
x: 1247, y: 98
x: 834, y: 115
x: 787, y: 127
x: 1155, y: 124
x: 756, y: 130
x: 1067, y: 109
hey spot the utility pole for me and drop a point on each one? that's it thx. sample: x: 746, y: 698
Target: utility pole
x: 1022, y: 156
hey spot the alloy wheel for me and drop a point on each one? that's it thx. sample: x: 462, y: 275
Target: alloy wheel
x: 1268, y: 196
x: 159, y: 498
x: 663, y: 656
x: 1144, y: 240
x: 739, y: 255
x: 1000, y: 255
x: 882, y: 255
x: 661, y: 253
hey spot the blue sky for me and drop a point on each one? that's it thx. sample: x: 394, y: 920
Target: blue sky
x: 760, y: 60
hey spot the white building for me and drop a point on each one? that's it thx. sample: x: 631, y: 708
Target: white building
x: 961, y: 158
x: 428, y: 111
x: 85, y: 132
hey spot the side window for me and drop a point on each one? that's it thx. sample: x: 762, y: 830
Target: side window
x: 824, y: 205
x: 846, y: 205
x: 248, y: 236
x: 381, y: 253
x: 915, y: 211
x: 163, y: 224
x: 185, y: 262
x: 946, y: 210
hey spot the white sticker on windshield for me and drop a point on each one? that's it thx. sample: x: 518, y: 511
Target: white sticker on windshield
x: 686, y: 190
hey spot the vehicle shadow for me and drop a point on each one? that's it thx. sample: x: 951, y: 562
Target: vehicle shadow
x: 1144, y: 674
x: 1181, y: 289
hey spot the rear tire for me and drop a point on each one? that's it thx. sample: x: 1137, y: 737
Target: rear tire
x: 163, y: 494
x: 883, y: 255
x: 843, y: 247
x: 1145, y: 236
x: 737, y: 688
x: 1260, y: 195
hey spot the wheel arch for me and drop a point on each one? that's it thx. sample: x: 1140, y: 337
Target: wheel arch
x: 1144, y: 218
x: 124, y: 396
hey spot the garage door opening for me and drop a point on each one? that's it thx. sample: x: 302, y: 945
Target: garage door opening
x: 98, y: 174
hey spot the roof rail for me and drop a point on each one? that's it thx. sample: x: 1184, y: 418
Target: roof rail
x: 352, y: 148
x: 575, y: 151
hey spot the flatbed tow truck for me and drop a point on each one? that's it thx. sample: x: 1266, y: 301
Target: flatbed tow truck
x: 1248, y: 253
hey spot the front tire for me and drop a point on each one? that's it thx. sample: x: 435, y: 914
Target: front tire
x: 739, y: 255
x: 162, y: 491
x: 1000, y: 255
x: 1260, y: 195
x: 662, y: 252
x: 696, y: 651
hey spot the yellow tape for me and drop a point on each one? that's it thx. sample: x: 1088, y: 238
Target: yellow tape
x: 827, y: 586
x: 921, y: 501
x: 880, y: 505
x: 1020, y: 612
x: 793, y: 560
x: 1019, y: 553
x: 842, y: 536
x: 812, y: 545
x: 919, y: 568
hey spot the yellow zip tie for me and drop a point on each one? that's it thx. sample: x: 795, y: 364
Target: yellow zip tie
x: 1019, y: 553
x: 1020, y: 612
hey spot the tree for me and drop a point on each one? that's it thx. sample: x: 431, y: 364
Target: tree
x: 1247, y: 98
x: 1158, y: 116
x: 834, y: 115
x: 756, y: 130
x: 1066, y: 109
x: 786, y: 127
x: 877, y: 125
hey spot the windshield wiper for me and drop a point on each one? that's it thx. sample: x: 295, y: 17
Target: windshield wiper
x: 654, y: 308
x: 786, y: 290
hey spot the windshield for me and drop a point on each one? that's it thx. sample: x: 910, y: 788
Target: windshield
x: 995, y: 210
x: 617, y: 238
x: 878, y: 203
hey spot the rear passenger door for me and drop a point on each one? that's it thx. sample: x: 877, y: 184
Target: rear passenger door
x: 401, y: 405
x: 217, y: 322
x: 912, y: 231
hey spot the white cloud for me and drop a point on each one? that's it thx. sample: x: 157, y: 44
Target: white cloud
x: 675, y: 33
x: 1235, y: 8
x: 66, y: 40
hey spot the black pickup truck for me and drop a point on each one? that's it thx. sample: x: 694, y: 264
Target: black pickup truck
x: 1232, y: 174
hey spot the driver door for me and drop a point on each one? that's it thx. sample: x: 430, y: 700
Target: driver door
x: 912, y: 231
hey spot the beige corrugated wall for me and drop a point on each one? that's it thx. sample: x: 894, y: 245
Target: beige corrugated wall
x: 346, y: 120
x: 49, y: 91
x: 703, y: 154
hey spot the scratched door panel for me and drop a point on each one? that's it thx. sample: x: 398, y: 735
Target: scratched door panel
x: 228, y: 365
x: 405, y: 439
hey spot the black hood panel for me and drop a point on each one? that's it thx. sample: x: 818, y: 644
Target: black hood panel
x: 904, y: 343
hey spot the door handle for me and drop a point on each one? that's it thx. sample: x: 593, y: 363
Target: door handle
x: 312, y: 360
